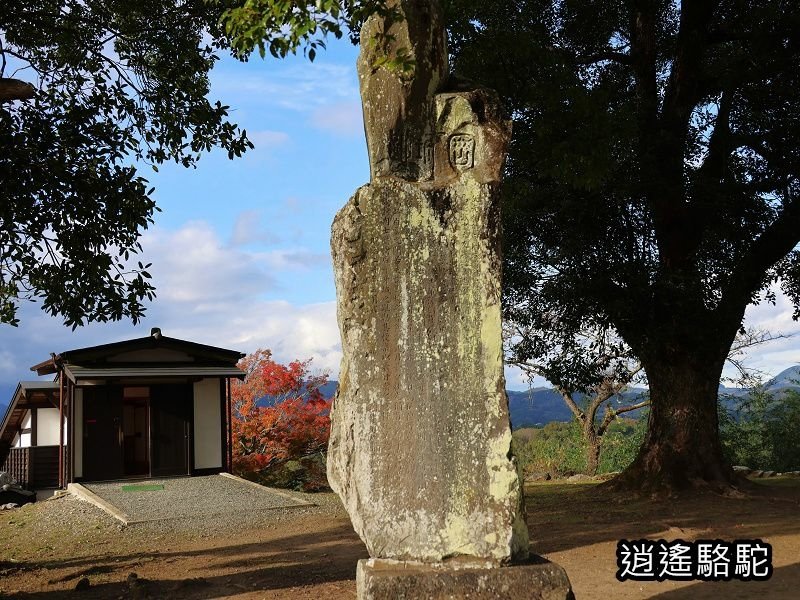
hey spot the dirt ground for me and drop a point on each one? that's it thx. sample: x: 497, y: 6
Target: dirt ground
x: 312, y: 553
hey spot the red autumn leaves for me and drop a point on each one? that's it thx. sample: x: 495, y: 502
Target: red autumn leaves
x: 279, y: 413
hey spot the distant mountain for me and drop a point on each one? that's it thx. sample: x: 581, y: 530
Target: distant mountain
x: 329, y: 389
x: 539, y: 406
x: 786, y: 379
x: 536, y: 406
x: 6, y: 394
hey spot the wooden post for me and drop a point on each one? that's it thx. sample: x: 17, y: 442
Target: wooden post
x: 230, y: 426
x: 68, y: 421
x: 34, y: 426
x: 61, y: 427
x: 71, y: 434
x: 29, y: 458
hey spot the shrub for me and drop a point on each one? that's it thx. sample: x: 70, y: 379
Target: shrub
x: 621, y: 443
x: 559, y: 448
x: 761, y: 430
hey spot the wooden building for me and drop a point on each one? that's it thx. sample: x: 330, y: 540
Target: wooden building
x: 147, y: 407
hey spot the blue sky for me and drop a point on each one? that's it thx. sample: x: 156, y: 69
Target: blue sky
x: 240, y: 250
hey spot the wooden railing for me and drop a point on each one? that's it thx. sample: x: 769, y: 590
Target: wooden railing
x: 33, y: 468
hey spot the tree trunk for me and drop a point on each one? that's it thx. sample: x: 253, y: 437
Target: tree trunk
x: 682, y: 448
x: 592, y: 448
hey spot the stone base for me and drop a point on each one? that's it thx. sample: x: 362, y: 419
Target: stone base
x: 538, y: 579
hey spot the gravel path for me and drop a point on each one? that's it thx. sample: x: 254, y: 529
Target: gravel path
x: 192, y: 497
x: 73, y: 522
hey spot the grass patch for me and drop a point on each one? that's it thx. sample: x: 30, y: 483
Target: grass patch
x: 149, y: 487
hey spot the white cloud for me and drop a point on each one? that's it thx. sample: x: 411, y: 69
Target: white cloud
x: 268, y: 146
x: 774, y: 357
x: 193, y: 268
x: 291, y: 332
x: 517, y: 380
x: 327, y: 93
x: 208, y: 292
x: 298, y: 87
x: 291, y: 259
x: 215, y: 294
x: 343, y: 119
x: 266, y: 139
x: 248, y: 229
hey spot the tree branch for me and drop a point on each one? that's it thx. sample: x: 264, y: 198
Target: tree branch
x: 612, y: 55
x: 573, y: 407
x: 15, y: 89
x: 612, y: 413
x: 684, y: 81
x: 719, y: 146
x: 773, y: 244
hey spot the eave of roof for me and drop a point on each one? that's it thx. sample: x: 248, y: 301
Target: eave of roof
x: 150, y: 341
x: 26, y: 386
x: 95, y: 353
x: 18, y: 403
x: 46, y: 367
x: 78, y: 373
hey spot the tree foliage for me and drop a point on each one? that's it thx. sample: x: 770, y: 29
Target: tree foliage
x: 760, y: 430
x: 90, y: 91
x: 279, y: 414
x: 560, y: 449
x: 651, y: 185
x: 589, y: 370
x: 283, y: 27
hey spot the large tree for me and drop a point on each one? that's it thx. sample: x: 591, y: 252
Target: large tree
x: 651, y: 188
x: 90, y: 92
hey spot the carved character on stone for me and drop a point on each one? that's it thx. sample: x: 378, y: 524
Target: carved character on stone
x: 462, y: 151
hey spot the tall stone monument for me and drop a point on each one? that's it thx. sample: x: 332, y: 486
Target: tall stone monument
x: 420, y: 440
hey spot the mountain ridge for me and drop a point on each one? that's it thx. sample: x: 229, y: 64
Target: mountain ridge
x: 541, y: 405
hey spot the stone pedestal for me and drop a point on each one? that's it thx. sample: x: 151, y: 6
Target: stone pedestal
x: 394, y: 580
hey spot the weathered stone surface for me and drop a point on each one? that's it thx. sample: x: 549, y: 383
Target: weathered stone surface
x: 398, y: 113
x: 392, y: 580
x: 420, y: 438
x: 420, y: 435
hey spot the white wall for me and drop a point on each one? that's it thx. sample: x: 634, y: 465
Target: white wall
x: 24, y: 439
x: 47, y: 427
x: 207, y: 425
x: 78, y: 454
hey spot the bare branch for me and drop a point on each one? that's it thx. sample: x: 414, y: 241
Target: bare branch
x: 612, y: 413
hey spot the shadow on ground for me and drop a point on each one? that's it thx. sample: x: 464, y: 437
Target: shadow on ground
x: 783, y: 581
x: 566, y: 516
x: 306, y: 559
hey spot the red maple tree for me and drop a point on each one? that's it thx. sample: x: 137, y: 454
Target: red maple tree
x: 279, y: 413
